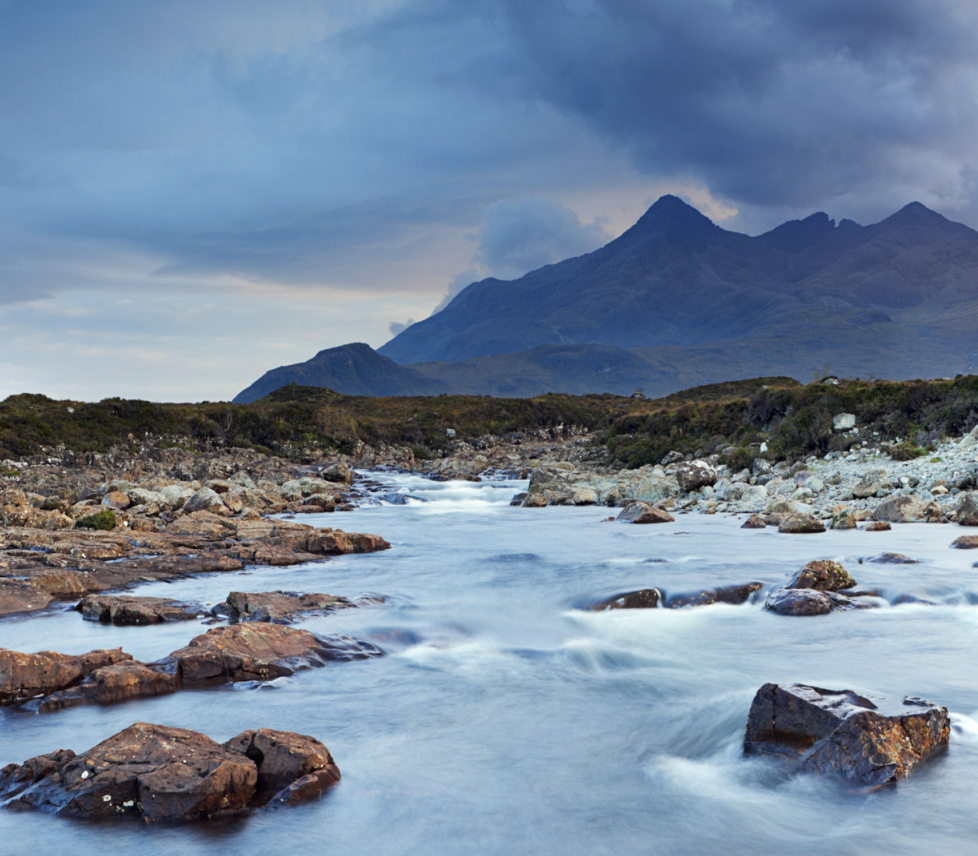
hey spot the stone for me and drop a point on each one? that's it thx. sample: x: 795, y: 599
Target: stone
x: 175, y: 495
x: 122, y: 681
x: 843, y: 520
x: 130, y: 610
x: 206, y: 499
x: 878, y: 526
x: 821, y: 575
x: 754, y: 522
x: 642, y: 599
x: 536, y: 500
x: 965, y: 542
x: 967, y: 508
x: 843, y: 421
x: 277, y: 606
x: 869, y: 742
x: 116, y: 499
x: 284, y: 757
x: 261, y: 652
x: 651, y: 598
x: 899, y: 509
x: 24, y: 676
x: 789, y: 601
x: 642, y: 512
x: 338, y: 472
x: 693, y: 475
x: 891, y: 559
x: 871, y: 484
x: 801, y: 523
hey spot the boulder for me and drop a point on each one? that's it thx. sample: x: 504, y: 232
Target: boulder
x: 175, y: 495
x: 789, y: 601
x: 159, y: 773
x: 878, y: 526
x: 843, y: 421
x: 870, y: 484
x: 261, y: 652
x: 130, y: 610
x: 801, y: 523
x: 967, y: 508
x: 843, y: 520
x: 651, y: 598
x: 116, y: 499
x: 277, y: 606
x: 338, y: 472
x: 965, y: 542
x: 891, y: 559
x: 642, y: 599
x: 119, y: 682
x: 642, y: 512
x: 754, y: 522
x: 24, y: 676
x: 867, y: 741
x: 206, y: 499
x: 899, y: 509
x: 693, y: 475
x: 536, y: 500
x: 140, y: 496
x: 821, y: 575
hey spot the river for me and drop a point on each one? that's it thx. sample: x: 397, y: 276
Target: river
x: 505, y: 719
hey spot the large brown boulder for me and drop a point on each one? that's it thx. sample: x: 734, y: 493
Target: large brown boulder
x: 822, y: 575
x: 867, y: 741
x: 800, y: 523
x: 286, y: 760
x: 967, y: 508
x: 119, y: 682
x: 261, y: 652
x: 130, y: 610
x: 900, y: 509
x: 870, y: 484
x: 642, y: 512
x: 24, y: 676
x: 277, y: 606
x: 693, y: 475
x: 790, y: 601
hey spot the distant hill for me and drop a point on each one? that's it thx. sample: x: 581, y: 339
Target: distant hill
x: 677, y: 301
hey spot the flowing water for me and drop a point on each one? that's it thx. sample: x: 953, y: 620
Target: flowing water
x: 507, y: 720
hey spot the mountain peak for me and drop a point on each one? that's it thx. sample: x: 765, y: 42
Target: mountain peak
x: 915, y: 213
x: 669, y: 216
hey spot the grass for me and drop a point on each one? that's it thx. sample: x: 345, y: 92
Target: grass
x: 102, y: 520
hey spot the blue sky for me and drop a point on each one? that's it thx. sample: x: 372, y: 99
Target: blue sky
x: 194, y: 192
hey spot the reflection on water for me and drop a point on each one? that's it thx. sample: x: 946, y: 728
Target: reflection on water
x: 506, y: 721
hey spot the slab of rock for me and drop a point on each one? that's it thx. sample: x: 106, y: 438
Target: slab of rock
x: 878, y: 526
x: 261, y: 652
x: 868, y: 741
x: 693, y: 475
x: 536, y: 500
x: 801, y: 523
x: 754, y: 522
x: 119, y: 682
x: 642, y: 512
x: 277, y: 606
x: 651, y: 598
x: 967, y: 508
x: 24, y: 676
x: 822, y: 575
x: 900, y: 509
x: 789, y: 601
x: 965, y: 542
x: 891, y: 559
x: 129, y: 610
x: 159, y: 773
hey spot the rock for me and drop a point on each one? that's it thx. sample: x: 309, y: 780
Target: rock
x: 134, y: 611
x: 967, y: 508
x: 158, y: 773
x: 119, y: 682
x: 878, y: 526
x: 536, y: 500
x: 867, y: 741
x: 277, y: 606
x: 672, y: 457
x: 338, y: 472
x: 821, y: 575
x: 692, y: 475
x: 284, y: 758
x: 891, y: 559
x: 175, y: 495
x: 800, y: 523
x: 870, y: 484
x: 754, y: 522
x: 206, y: 499
x: 116, y: 499
x: 965, y: 542
x: 24, y: 676
x: 789, y: 601
x: 899, y: 509
x: 650, y: 598
x: 843, y: 520
x: 843, y: 421
x: 261, y: 652
x: 139, y: 496
x: 642, y: 512
x: 643, y: 599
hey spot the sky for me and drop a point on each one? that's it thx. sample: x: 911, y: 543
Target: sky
x: 196, y: 191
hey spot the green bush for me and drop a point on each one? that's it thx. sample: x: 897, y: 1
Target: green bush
x: 906, y: 452
x: 103, y: 520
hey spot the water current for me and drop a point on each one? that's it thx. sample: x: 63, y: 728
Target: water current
x: 505, y: 719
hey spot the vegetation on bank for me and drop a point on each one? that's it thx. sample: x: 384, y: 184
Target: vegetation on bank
x: 734, y: 417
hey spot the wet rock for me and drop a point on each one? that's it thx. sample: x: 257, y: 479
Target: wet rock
x: 536, y: 500
x: 642, y: 512
x: 965, y: 542
x: 283, y: 758
x: 754, y: 522
x: 642, y: 599
x: 867, y: 741
x: 891, y: 559
x: 24, y: 676
x: 801, y: 523
x: 899, y: 509
x: 130, y: 610
x: 843, y: 520
x: 967, y: 508
x: 693, y: 475
x: 261, y: 652
x: 119, y: 682
x: 821, y: 575
x: 277, y: 606
x: 789, y: 601
x: 878, y: 526
x: 735, y: 595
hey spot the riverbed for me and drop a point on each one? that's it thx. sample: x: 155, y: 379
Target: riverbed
x: 507, y: 719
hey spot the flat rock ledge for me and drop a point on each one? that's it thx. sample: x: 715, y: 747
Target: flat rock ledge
x: 652, y: 598
x: 132, y: 611
x: 868, y: 741
x: 48, y: 681
x: 280, y: 607
x: 158, y: 773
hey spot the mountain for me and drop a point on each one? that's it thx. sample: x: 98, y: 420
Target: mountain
x: 677, y: 301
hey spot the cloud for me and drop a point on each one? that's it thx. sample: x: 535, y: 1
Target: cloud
x: 396, y: 327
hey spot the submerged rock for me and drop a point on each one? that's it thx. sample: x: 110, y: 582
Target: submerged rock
x: 822, y: 575
x: 878, y: 526
x: 277, y: 606
x: 789, y: 601
x: 754, y: 522
x: 965, y: 542
x: 650, y: 598
x: 867, y: 741
x: 643, y: 599
x: 642, y: 512
x: 156, y: 773
x: 25, y: 676
x: 130, y: 610
x: 800, y: 523
x: 118, y: 682
x: 892, y: 559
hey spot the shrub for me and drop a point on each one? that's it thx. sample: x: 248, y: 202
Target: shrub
x: 906, y: 452
x: 103, y: 520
